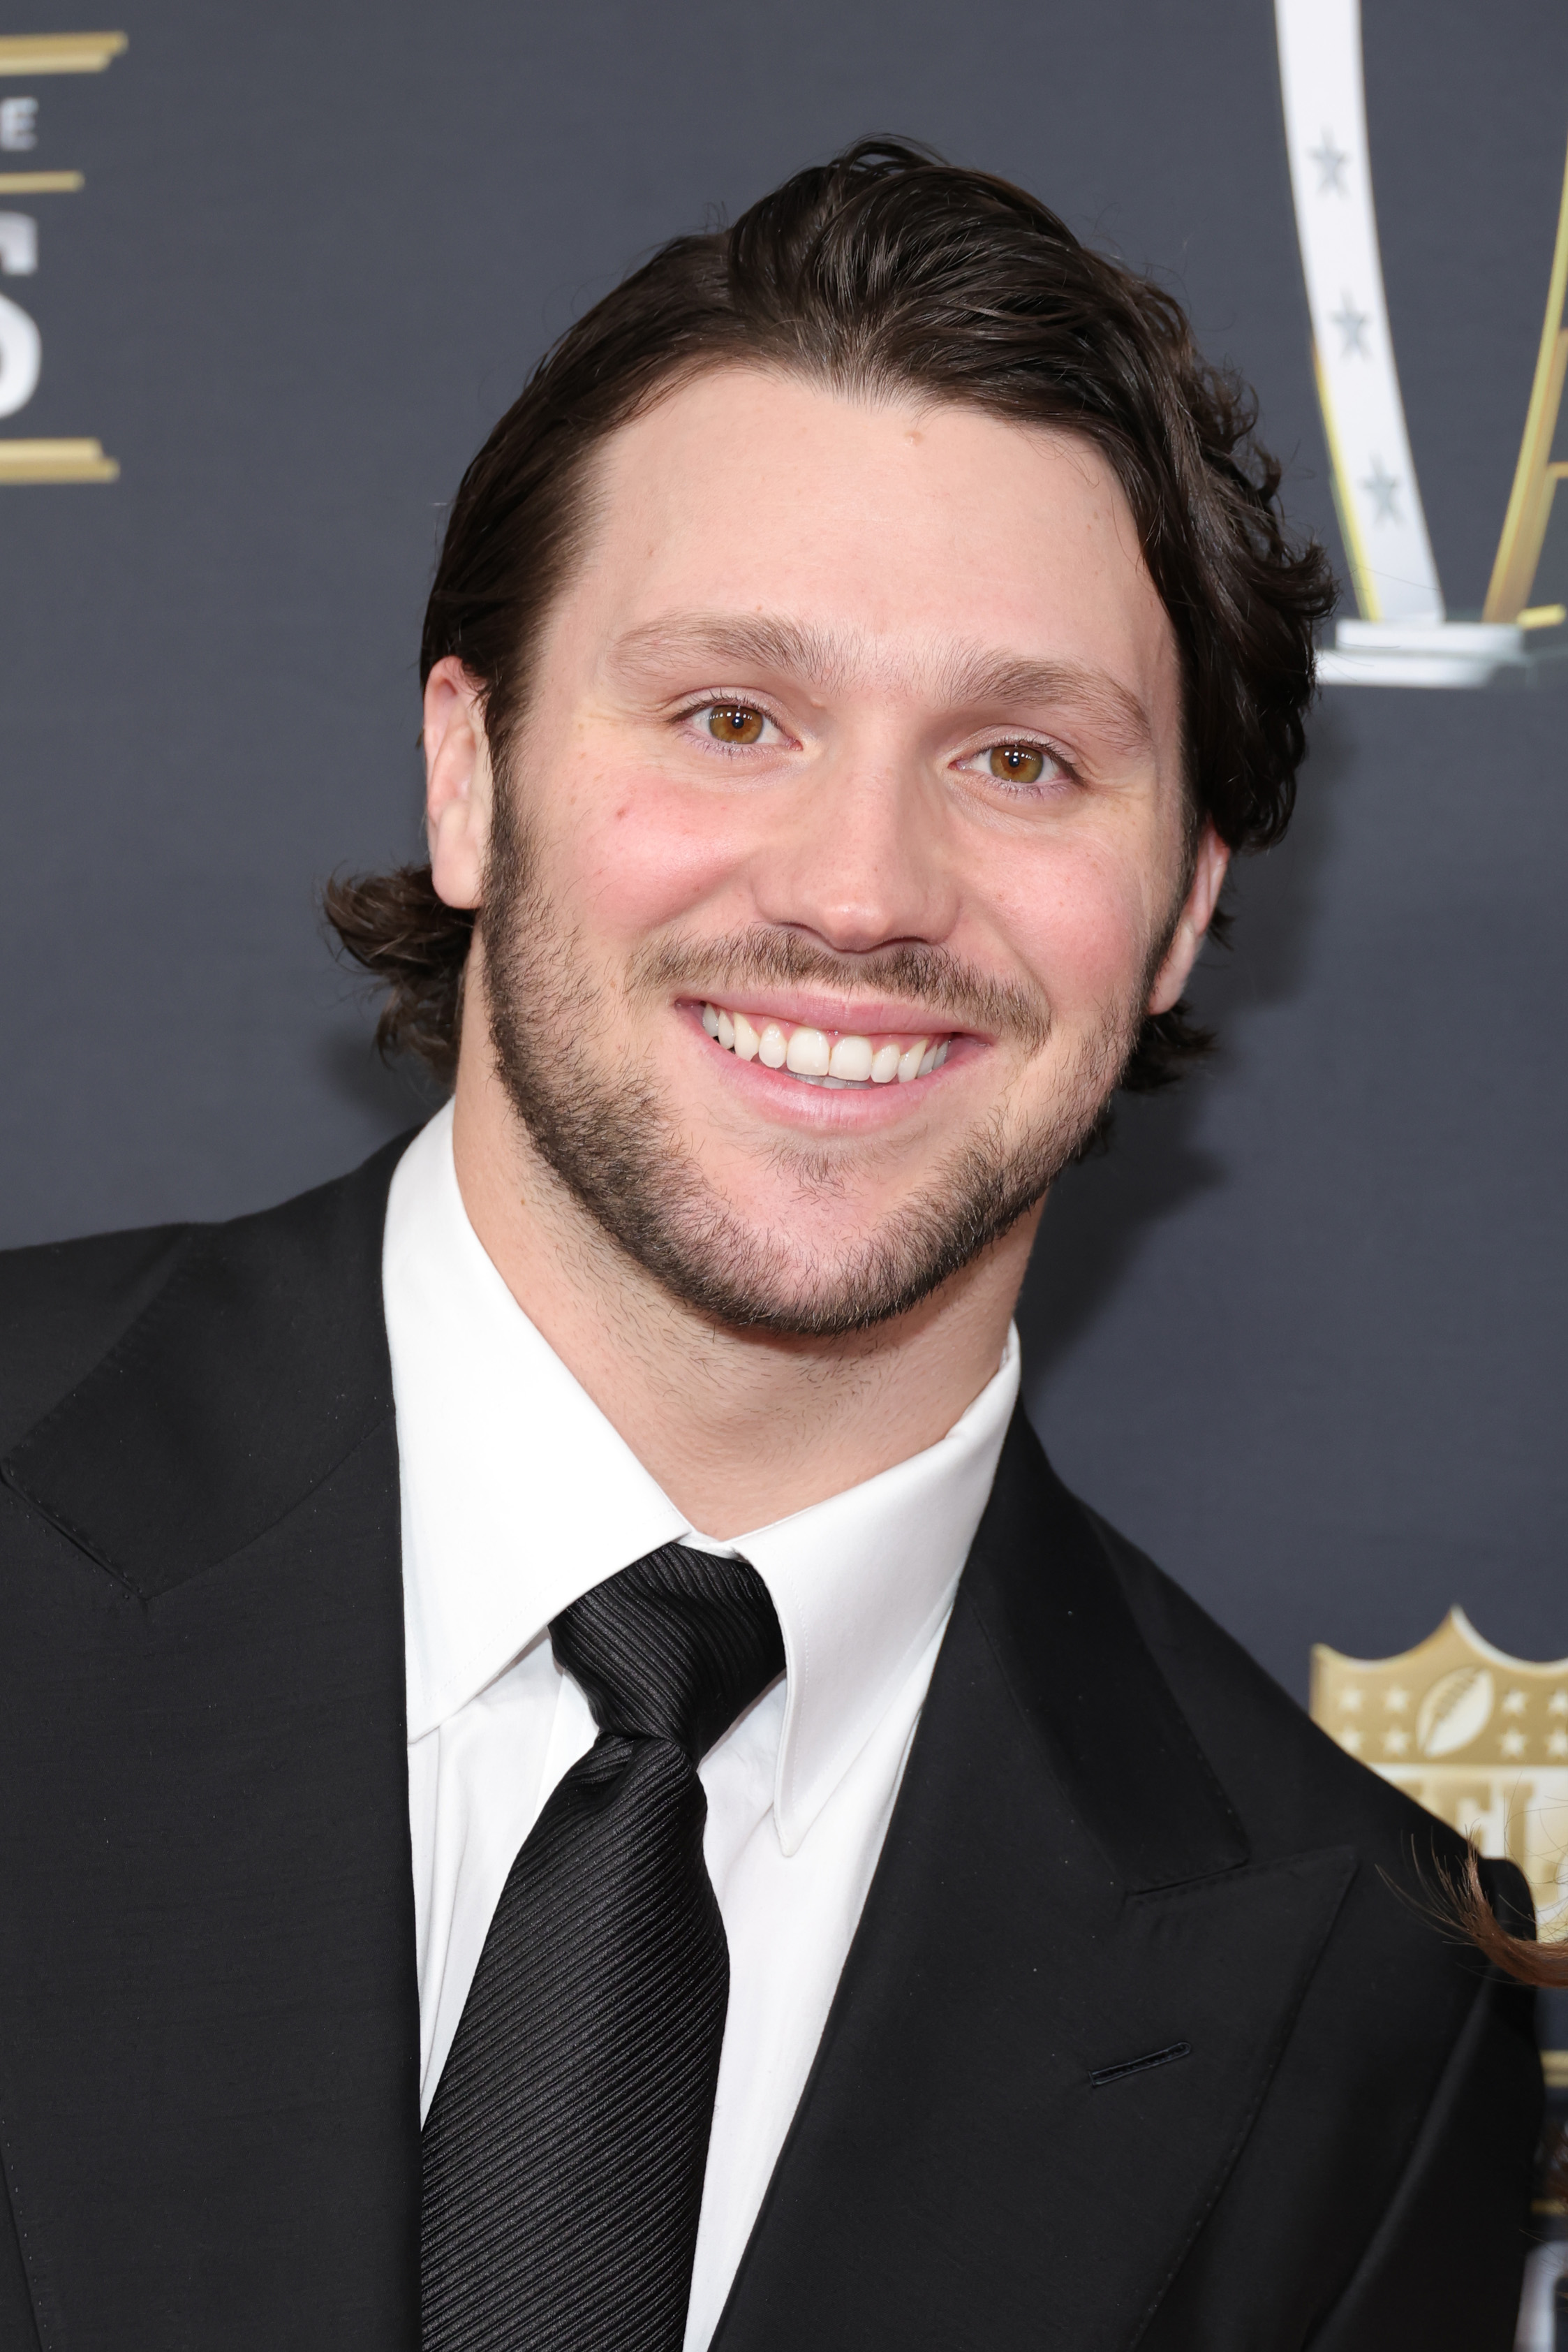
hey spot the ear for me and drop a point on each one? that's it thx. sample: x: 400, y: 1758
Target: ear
x: 458, y: 782
x: 1208, y: 872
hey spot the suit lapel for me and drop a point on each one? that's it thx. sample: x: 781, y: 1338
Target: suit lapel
x: 209, y: 2069
x: 208, y: 2080
x: 1065, y: 2000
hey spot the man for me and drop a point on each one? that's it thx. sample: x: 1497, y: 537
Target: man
x: 575, y: 1780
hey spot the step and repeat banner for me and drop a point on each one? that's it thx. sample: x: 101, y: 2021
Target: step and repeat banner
x: 267, y: 276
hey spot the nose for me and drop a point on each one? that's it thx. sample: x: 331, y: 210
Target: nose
x: 861, y: 859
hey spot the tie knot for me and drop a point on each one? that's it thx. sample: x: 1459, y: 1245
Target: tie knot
x: 674, y: 1647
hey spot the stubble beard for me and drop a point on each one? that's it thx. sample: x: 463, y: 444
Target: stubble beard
x: 612, y: 1141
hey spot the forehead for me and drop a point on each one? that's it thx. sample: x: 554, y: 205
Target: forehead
x: 888, y: 531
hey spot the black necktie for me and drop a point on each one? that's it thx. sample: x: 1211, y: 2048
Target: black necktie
x: 564, y: 2150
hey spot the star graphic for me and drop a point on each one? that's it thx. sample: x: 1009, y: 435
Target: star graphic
x: 1330, y: 161
x: 1512, y: 1743
x: 1396, y: 1700
x: 1558, y: 1703
x: 1397, y: 1743
x: 1351, y: 1740
x: 1351, y: 1700
x: 1380, y: 487
x: 1557, y: 1745
x: 1514, y: 1704
x: 1352, y: 325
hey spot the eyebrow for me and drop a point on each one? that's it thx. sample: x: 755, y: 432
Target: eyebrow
x: 965, y: 674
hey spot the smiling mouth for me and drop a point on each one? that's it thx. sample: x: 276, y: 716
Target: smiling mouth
x: 826, y: 1057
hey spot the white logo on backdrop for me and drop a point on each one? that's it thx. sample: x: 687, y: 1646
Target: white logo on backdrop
x: 21, y: 344
x: 1405, y: 635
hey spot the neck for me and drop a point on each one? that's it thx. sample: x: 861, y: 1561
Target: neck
x: 739, y: 1428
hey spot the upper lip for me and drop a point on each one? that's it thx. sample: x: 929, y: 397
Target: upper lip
x: 805, y: 1009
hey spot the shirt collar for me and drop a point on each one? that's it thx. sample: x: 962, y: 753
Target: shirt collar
x: 862, y: 1582
x: 518, y: 1496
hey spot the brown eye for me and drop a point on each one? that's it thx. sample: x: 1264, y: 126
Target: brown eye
x: 733, y: 723
x: 1017, y: 763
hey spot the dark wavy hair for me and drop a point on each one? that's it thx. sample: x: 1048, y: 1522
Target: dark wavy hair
x: 886, y: 272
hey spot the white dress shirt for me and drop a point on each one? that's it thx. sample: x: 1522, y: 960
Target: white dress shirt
x: 517, y: 1496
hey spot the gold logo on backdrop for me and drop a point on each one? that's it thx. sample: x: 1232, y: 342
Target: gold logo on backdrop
x: 1477, y: 1737
x: 1540, y: 467
x: 28, y: 56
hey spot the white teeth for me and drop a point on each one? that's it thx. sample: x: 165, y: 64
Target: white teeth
x: 808, y: 1054
x: 850, y: 1058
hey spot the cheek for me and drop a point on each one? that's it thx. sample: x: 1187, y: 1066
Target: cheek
x: 1079, y: 921
x: 635, y: 851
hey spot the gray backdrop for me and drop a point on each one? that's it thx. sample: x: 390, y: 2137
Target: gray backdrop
x: 1299, y: 1333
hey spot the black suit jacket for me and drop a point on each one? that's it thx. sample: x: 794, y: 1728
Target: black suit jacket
x: 1141, y: 2040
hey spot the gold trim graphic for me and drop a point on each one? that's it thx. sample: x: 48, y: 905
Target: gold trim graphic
x: 57, y: 53
x: 35, y: 461
x: 1535, y: 478
x: 56, y: 461
x: 1478, y: 1737
x: 1365, y: 594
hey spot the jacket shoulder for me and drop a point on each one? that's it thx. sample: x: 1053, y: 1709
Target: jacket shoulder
x: 63, y: 1304
x: 1292, y: 1786
x: 1402, y: 2020
x: 255, y: 1282
x: 173, y: 1398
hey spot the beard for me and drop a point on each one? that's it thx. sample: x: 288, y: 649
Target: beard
x: 615, y: 1145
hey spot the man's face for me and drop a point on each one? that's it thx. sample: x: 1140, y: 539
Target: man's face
x: 842, y: 849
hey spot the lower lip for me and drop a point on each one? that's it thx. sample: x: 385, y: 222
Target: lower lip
x: 849, y: 1106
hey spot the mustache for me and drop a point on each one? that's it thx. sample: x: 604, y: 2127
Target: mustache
x: 761, y: 955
